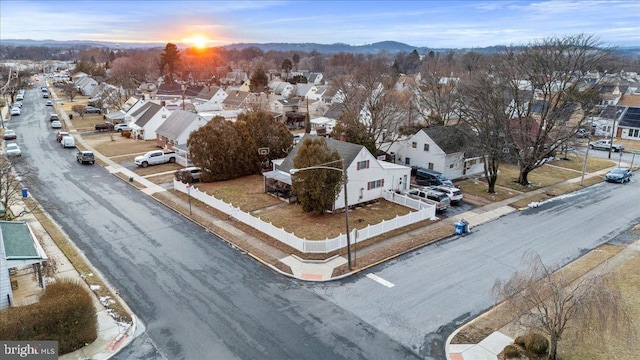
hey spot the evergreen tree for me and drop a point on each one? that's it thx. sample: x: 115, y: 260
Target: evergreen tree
x: 169, y: 60
x: 317, y: 189
x: 259, y: 81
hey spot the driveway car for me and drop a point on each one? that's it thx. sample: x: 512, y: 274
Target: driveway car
x: 15, y: 111
x: 12, y: 149
x: 620, y: 175
x: 9, y: 134
x: 49, y: 103
x: 454, y: 194
x: 121, y: 127
x: 428, y: 195
x: 189, y: 174
x: 92, y: 110
x: 606, y: 145
x: 56, y: 124
x: 85, y: 157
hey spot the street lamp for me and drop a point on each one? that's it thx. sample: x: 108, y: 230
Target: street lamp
x: 346, y: 198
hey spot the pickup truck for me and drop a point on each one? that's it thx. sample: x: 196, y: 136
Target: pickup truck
x: 156, y: 157
x: 106, y: 126
x: 605, y: 145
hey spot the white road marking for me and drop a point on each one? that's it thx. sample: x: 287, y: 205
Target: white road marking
x: 380, y: 280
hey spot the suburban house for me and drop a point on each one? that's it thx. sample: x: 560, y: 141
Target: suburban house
x: 235, y: 77
x: 446, y: 149
x: 236, y: 100
x: 629, y: 124
x: 210, y: 94
x: 315, y: 78
x: 283, y: 88
x: 175, y: 131
x: 19, y: 248
x: 87, y: 86
x: 147, y: 119
x: 132, y: 104
x: 368, y: 178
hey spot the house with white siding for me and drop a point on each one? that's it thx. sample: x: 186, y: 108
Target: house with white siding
x: 147, y: 119
x: 447, y: 149
x: 368, y: 178
x: 19, y: 248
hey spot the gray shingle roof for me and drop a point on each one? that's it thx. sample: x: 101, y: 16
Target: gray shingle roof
x: 453, y: 139
x: 347, y: 151
x: 176, y: 123
x: 150, y: 110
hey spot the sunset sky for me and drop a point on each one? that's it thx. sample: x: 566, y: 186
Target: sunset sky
x: 435, y: 24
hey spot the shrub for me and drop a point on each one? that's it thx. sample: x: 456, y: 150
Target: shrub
x: 511, y: 352
x: 126, y: 134
x: 536, y: 343
x: 65, y: 314
x: 519, y: 341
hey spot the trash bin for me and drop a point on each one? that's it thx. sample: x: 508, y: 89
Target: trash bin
x: 24, y: 192
x: 70, y: 116
x: 465, y: 226
x: 131, y: 179
x: 462, y: 227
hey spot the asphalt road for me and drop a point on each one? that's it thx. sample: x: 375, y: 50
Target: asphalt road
x: 442, y: 286
x: 197, y: 297
x: 201, y: 299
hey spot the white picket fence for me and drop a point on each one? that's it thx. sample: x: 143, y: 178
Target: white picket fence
x: 424, y: 212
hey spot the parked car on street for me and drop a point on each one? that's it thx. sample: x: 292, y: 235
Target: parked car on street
x: 56, y: 124
x: 12, y: 149
x: 49, y: 103
x: 68, y: 142
x: 15, y: 111
x: 9, y: 134
x: 54, y: 117
x: 45, y: 95
x: 620, y: 175
x: 84, y: 157
x: 60, y: 135
x: 605, y: 145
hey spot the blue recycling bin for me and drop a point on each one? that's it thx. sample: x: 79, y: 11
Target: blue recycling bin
x: 462, y: 227
x: 24, y: 192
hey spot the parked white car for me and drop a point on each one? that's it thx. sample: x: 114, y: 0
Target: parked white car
x: 454, y: 194
x: 121, y: 127
x: 56, y: 124
x: 12, y: 149
x: 15, y: 111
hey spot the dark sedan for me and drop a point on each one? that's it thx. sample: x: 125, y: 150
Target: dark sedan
x: 620, y: 175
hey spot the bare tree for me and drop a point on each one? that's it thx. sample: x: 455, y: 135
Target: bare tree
x: 482, y: 105
x: 79, y: 109
x: 437, y: 90
x: 551, y: 301
x: 544, y: 81
x: 374, y: 111
x: 11, y: 186
x: 71, y: 90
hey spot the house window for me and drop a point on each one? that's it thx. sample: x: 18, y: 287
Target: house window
x: 375, y: 184
x: 430, y: 166
x: 426, y: 147
x: 414, y: 144
x: 634, y: 133
x: 450, y: 166
x: 363, y: 164
x: 407, y: 161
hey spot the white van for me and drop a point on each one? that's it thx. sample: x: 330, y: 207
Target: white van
x: 68, y: 141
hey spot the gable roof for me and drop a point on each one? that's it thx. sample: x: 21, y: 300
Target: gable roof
x: 335, y: 111
x: 148, y: 110
x: 235, y: 98
x: 207, y: 92
x: 169, y: 90
x: 452, y: 139
x: 347, y: 151
x: 176, y: 123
